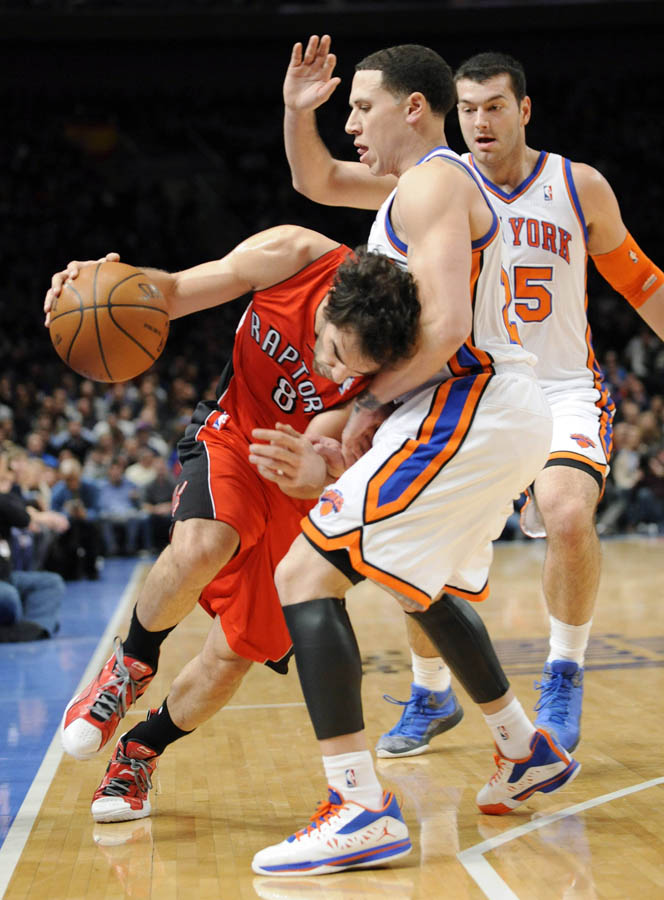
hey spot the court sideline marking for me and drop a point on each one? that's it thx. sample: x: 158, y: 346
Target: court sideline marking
x: 17, y: 836
x: 483, y: 873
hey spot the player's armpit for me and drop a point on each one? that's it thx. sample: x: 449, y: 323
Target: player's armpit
x: 630, y: 271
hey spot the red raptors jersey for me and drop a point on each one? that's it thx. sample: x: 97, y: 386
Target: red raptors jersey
x: 273, y: 378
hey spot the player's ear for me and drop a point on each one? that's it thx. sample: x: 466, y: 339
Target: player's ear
x: 525, y: 110
x: 415, y: 107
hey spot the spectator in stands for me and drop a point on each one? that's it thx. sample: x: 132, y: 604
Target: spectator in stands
x: 74, y: 437
x: 29, y: 600
x: 76, y: 553
x: 625, y: 474
x: 143, y: 471
x: 122, y: 521
x: 157, y: 503
x: 647, y: 512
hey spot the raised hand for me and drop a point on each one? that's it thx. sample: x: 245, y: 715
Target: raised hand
x: 309, y: 82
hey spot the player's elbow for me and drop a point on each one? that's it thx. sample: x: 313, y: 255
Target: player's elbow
x: 451, y: 331
x: 312, y: 188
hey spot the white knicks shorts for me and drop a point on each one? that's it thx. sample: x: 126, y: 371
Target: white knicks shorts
x: 582, y: 438
x: 418, y: 512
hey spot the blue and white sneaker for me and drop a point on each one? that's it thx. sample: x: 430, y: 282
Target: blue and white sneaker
x: 559, y: 706
x: 426, y: 714
x: 342, y: 835
x: 548, y: 768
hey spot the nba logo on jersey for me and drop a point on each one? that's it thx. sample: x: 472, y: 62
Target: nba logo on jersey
x: 548, y: 192
x: 351, y: 778
x: 220, y: 421
x: 346, y: 384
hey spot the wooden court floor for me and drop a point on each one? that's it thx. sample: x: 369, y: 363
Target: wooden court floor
x: 252, y: 774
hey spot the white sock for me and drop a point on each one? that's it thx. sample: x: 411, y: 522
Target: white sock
x: 568, y: 641
x: 430, y: 672
x: 353, y: 776
x: 512, y: 730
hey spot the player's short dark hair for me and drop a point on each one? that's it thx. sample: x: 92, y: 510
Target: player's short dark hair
x: 410, y: 67
x: 375, y: 298
x: 483, y: 66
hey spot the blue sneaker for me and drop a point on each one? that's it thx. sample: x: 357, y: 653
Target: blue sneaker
x: 559, y: 706
x: 548, y: 768
x: 342, y: 835
x: 425, y: 715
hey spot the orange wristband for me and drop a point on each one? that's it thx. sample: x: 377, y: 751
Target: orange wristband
x: 630, y: 272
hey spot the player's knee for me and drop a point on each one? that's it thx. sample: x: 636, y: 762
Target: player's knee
x: 569, y: 519
x: 285, y: 580
x: 221, y: 666
x: 203, y: 546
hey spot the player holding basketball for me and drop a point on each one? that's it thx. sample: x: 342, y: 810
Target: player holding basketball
x: 417, y: 512
x: 554, y: 213
x: 319, y: 322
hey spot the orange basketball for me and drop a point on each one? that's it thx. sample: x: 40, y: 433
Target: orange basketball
x: 110, y: 323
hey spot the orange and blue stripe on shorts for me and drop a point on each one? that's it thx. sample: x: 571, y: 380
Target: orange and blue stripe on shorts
x: 408, y: 471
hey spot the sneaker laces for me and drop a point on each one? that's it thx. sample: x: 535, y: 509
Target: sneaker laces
x: 500, y: 765
x: 556, y: 693
x: 111, y: 701
x: 140, y: 770
x: 413, y: 707
x: 324, y: 811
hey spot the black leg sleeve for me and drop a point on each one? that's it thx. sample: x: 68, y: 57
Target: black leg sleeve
x: 464, y: 643
x: 329, y: 665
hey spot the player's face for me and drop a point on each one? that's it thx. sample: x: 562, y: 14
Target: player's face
x: 492, y: 120
x: 376, y: 122
x: 337, y: 355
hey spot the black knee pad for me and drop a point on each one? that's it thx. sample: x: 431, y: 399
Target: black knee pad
x: 329, y: 665
x: 464, y: 643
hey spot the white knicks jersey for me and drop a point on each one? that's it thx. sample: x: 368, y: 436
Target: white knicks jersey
x: 545, y: 257
x: 493, y: 339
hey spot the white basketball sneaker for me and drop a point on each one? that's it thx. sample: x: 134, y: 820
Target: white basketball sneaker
x: 548, y: 768
x: 342, y: 835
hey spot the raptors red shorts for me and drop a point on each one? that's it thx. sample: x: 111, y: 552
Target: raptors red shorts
x: 218, y: 482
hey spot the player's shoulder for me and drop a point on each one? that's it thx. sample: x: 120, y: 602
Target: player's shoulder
x: 593, y: 189
x: 438, y: 176
x: 303, y: 244
x: 586, y: 176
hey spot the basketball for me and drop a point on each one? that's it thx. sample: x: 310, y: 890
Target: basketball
x: 110, y: 323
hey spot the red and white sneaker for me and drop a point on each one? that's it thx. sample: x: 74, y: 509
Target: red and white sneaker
x: 548, y: 768
x: 93, y: 715
x: 124, y: 792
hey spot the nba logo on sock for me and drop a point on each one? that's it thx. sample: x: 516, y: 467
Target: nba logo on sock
x: 503, y: 732
x: 351, y: 779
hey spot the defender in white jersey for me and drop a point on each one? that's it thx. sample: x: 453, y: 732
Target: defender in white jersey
x: 554, y: 214
x: 419, y: 509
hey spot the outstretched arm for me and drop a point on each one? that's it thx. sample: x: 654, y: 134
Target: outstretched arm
x: 260, y: 261
x: 309, y: 83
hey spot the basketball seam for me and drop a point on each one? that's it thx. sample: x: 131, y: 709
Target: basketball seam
x: 80, y: 324
x: 94, y: 302
x: 117, y: 325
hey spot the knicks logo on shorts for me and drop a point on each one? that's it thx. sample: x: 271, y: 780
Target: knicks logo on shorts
x: 583, y: 440
x: 330, y: 501
x: 178, y: 491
